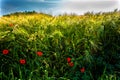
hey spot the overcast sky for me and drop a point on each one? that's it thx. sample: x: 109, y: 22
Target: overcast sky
x: 56, y: 7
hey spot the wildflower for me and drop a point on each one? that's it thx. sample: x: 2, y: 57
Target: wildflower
x: 68, y: 59
x: 11, y: 25
x: 5, y: 51
x: 82, y: 70
x: 22, y: 61
x: 71, y: 64
x: 39, y: 53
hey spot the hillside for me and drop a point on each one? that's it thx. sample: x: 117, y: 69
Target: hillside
x: 37, y: 46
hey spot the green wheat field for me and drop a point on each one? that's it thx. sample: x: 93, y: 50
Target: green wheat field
x: 37, y: 46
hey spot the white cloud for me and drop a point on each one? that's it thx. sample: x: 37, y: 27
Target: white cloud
x: 87, y: 0
x: 119, y: 4
x: 82, y: 6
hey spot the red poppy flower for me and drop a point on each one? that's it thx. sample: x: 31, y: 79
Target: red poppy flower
x: 82, y: 70
x: 39, y: 53
x: 5, y: 51
x: 22, y: 61
x: 11, y: 25
x: 71, y: 64
x: 68, y: 59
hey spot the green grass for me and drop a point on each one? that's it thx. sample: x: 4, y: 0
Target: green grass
x: 91, y: 41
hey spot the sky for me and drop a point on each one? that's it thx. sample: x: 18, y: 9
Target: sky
x: 56, y: 7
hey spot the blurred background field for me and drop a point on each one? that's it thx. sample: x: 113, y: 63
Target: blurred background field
x: 44, y: 43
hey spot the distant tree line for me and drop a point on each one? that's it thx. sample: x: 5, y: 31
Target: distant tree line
x: 25, y: 13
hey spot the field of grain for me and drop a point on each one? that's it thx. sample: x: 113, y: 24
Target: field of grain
x: 65, y: 47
